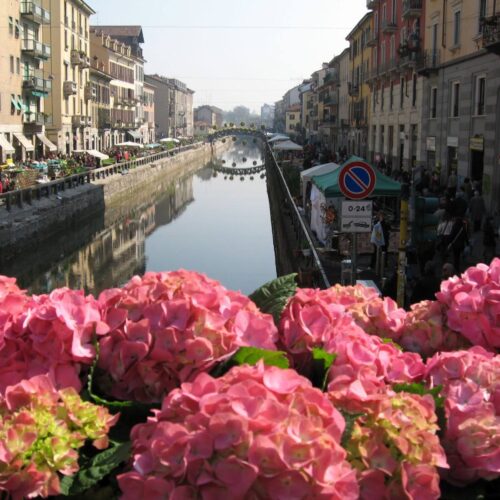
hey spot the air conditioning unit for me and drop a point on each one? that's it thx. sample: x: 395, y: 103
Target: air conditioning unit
x: 70, y: 88
x: 76, y: 58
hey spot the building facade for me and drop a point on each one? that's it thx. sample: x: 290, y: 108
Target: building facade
x: 100, y: 108
x: 343, y: 116
x: 209, y: 115
x: 293, y: 121
x: 461, y: 104
x: 149, y: 112
x: 267, y: 115
x: 328, y: 107
x: 68, y: 70
x: 358, y: 89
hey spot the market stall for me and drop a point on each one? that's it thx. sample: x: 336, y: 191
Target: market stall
x: 307, y: 175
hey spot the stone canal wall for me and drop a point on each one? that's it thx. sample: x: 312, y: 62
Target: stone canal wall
x: 22, y: 229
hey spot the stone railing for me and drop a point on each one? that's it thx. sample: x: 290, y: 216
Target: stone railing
x: 21, y: 197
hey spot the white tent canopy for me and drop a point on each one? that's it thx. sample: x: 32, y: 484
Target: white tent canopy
x: 287, y: 146
x: 307, y: 175
x: 170, y: 139
x: 97, y: 154
x: 317, y: 224
x: 48, y: 144
x: 129, y: 144
x: 279, y: 137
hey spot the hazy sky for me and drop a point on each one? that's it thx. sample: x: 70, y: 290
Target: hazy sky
x: 236, y: 51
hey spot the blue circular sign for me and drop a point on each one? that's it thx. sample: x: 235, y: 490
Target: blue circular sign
x: 357, y: 180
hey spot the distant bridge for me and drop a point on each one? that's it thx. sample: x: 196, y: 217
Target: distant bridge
x: 236, y: 131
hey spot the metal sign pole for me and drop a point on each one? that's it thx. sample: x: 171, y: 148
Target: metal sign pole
x: 354, y: 258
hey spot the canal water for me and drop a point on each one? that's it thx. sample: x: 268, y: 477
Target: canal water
x: 212, y: 221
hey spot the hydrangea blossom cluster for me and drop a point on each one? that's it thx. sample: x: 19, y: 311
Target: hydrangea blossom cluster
x: 395, y: 449
x: 40, y: 433
x: 473, y: 304
x: 425, y: 330
x: 48, y: 334
x: 166, y: 328
x: 256, y: 432
x: 471, y: 385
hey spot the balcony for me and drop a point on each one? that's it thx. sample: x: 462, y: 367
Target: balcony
x: 372, y: 75
x: 393, y: 65
x: 353, y: 90
x: 371, y: 4
x: 389, y: 26
x: 36, y: 119
x: 491, y: 34
x: 70, y: 88
x: 331, y: 100
x: 76, y: 57
x: 331, y: 78
x: 36, y: 49
x: 412, y: 8
x: 37, y: 84
x: 428, y: 62
x: 90, y: 93
x: 79, y: 121
x: 34, y: 12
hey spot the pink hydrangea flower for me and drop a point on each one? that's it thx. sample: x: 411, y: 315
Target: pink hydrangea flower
x: 41, y: 430
x: 256, y: 432
x: 473, y: 304
x: 49, y: 334
x: 165, y: 328
x: 471, y: 386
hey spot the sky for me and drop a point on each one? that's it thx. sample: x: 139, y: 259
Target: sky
x: 236, y: 52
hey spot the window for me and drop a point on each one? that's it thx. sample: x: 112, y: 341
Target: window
x: 11, y: 25
x: 414, y: 91
x: 480, y: 94
x: 382, y: 94
x: 18, y: 66
x: 482, y: 14
x: 401, y: 93
x: 393, y: 11
x: 375, y: 24
x: 455, y: 99
x: 457, y: 19
x: 434, y: 92
x: 12, y: 64
x: 391, y: 96
x: 12, y: 104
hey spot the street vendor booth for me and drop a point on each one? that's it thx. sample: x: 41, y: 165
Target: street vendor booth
x: 326, y: 193
x: 307, y: 175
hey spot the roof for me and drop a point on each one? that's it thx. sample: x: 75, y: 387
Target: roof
x: 122, y: 31
x: 329, y: 183
x: 366, y: 17
x: 85, y: 6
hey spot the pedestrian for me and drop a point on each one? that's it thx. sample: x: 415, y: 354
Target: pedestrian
x: 452, y: 183
x: 448, y: 271
x: 459, y: 239
x: 468, y: 188
x: 489, y: 240
x: 477, y: 210
x: 427, y: 286
x: 380, y: 236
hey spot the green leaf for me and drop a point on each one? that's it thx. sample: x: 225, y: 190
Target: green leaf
x: 252, y: 355
x: 391, y: 342
x: 326, y: 360
x: 90, y: 382
x: 350, y: 420
x: 421, y: 390
x: 272, y: 297
x: 97, y: 469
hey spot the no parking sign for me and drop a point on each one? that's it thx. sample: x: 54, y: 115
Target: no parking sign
x: 357, y: 180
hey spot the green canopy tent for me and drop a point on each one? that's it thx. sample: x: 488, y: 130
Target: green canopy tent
x: 328, y: 184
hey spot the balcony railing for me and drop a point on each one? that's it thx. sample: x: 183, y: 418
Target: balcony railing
x: 389, y: 26
x: 332, y: 78
x: 331, y: 100
x: 491, y: 33
x: 35, y: 12
x: 36, y: 49
x: 35, y: 118
x: 412, y: 8
x: 36, y: 83
x: 428, y: 62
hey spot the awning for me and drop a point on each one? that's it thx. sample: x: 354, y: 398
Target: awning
x: 25, y: 143
x: 134, y: 134
x: 287, y: 146
x: 97, y: 154
x: 50, y: 145
x: 129, y: 145
x: 6, y: 146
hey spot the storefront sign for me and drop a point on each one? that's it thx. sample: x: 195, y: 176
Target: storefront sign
x: 452, y: 142
x: 431, y: 143
x: 477, y: 143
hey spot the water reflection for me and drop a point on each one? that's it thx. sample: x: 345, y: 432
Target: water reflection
x: 202, y: 222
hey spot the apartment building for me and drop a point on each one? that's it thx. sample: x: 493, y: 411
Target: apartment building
x: 397, y: 39
x: 209, y: 115
x: 293, y: 121
x: 164, y: 105
x: 461, y: 104
x: 358, y: 89
x: 267, y: 115
x: 342, y: 61
x: 100, y: 108
x: 328, y: 107
x: 23, y: 89
x: 149, y: 112
x: 68, y: 69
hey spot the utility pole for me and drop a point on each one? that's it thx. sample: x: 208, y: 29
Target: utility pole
x: 403, y: 239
